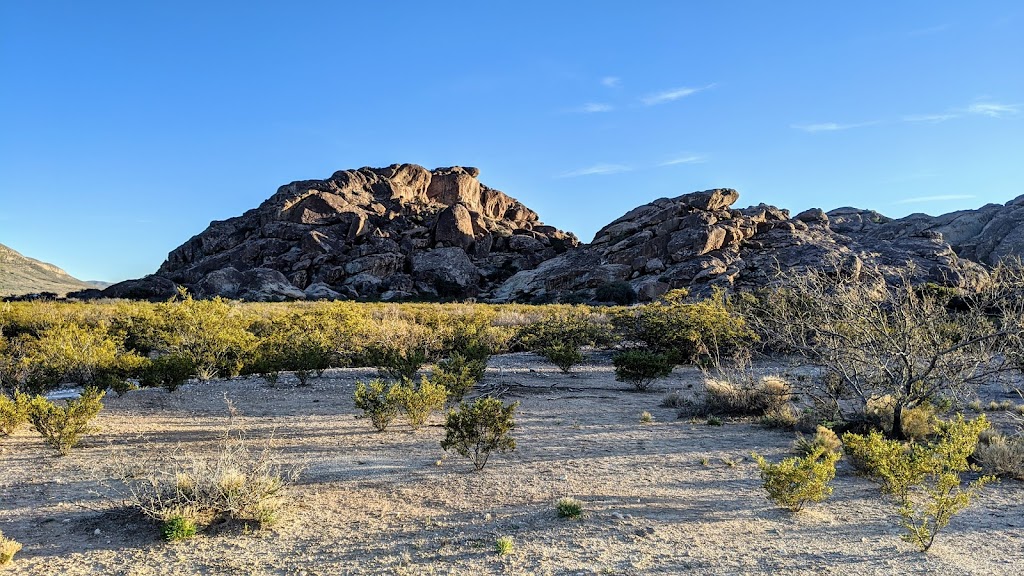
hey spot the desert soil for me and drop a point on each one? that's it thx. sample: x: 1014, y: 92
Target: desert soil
x: 668, y: 497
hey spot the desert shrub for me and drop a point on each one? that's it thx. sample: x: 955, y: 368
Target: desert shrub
x: 569, y: 508
x: 236, y: 483
x: 795, y: 481
x: 641, y: 367
x: 824, y: 438
x: 572, y: 326
x: 562, y: 354
x: 475, y: 430
x: 925, y: 478
x: 785, y: 417
x: 459, y: 373
x: 418, y: 401
x: 81, y: 353
x: 646, y: 418
x: 13, y: 412
x: 379, y: 401
x: 212, y: 334
x: 504, y: 545
x: 8, y: 548
x: 1002, y: 456
x: 178, y: 527
x: 620, y: 293
x: 698, y: 332
x: 397, y: 362
x: 63, y: 426
x: 747, y: 398
x: 169, y: 371
x: 916, y: 423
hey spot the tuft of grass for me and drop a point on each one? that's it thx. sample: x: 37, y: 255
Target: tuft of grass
x: 823, y: 438
x: 8, y: 548
x: 714, y: 421
x: 569, y: 508
x: 753, y: 398
x: 1001, y: 456
x: 504, y: 545
x: 646, y: 418
x: 178, y: 527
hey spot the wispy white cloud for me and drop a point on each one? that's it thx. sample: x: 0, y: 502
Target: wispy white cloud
x: 671, y: 95
x: 931, y: 118
x: 929, y: 30
x: 594, y: 107
x: 993, y: 109
x: 831, y: 126
x: 939, y: 198
x: 596, y: 170
x: 611, y: 81
x: 688, y: 159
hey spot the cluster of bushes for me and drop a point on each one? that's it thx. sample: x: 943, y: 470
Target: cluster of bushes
x: 62, y: 425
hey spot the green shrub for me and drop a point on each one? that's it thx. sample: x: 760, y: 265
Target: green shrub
x: 398, y: 363
x: 419, y: 400
x: 564, y: 355
x: 504, y: 545
x: 569, y: 508
x: 212, y: 334
x: 169, y: 371
x: 63, y: 426
x: 796, y: 481
x: 885, y: 461
x: 8, y: 548
x: 621, y: 293
x: 380, y: 402
x: 13, y: 412
x: 178, y: 527
x: 641, y: 367
x: 458, y: 374
x: 475, y: 430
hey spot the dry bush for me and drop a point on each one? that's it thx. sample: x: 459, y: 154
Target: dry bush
x: 786, y: 417
x: 236, y: 483
x: 8, y: 548
x: 1002, y: 456
x: 823, y: 438
x: 749, y: 398
x: 918, y: 422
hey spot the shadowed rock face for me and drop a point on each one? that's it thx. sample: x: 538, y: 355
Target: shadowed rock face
x: 698, y: 241
x: 396, y: 232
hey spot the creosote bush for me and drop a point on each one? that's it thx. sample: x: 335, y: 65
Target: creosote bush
x: 62, y: 426
x: 475, y: 430
x: 8, y: 548
x: 569, y: 508
x: 418, y: 401
x: 796, y: 481
x: 641, y: 367
x: 459, y: 373
x: 380, y: 401
x: 169, y: 371
x: 13, y: 412
x: 564, y: 355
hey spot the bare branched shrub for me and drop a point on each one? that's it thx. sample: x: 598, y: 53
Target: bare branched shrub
x: 879, y: 337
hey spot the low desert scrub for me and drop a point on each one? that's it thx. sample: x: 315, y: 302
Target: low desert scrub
x: 418, y: 401
x: 785, y: 417
x: 747, y: 398
x: 380, y: 401
x: 562, y: 354
x: 1002, y: 456
x: 646, y: 418
x: 8, y: 548
x: 504, y: 546
x: 459, y: 373
x: 1005, y: 405
x: 795, y: 481
x: 924, y: 478
x: 641, y: 367
x: 917, y: 423
x: 569, y: 508
x: 398, y: 362
x: 475, y: 430
x: 190, y: 491
x: 13, y: 412
x: 823, y: 438
x: 62, y: 427
x: 169, y: 371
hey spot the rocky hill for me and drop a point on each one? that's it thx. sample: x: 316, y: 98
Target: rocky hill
x: 390, y: 233
x: 21, y: 275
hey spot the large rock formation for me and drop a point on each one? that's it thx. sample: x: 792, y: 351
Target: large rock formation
x: 397, y: 232
x: 21, y: 275
x: 698, y: 241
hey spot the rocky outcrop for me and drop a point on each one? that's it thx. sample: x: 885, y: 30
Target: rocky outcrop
x: 21, y: 275
x: 397, y: 232
x: 698, y: 241
x: 985, y: 235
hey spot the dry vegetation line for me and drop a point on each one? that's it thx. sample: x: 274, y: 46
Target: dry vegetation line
x: 666, y: 497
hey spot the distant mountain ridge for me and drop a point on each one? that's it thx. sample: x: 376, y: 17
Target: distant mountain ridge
x: 21, y: 275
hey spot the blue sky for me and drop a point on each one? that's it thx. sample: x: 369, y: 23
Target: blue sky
x: 126, y: 127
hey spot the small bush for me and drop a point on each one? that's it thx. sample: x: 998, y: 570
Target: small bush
x: 398, y: 363
x: 646, y: 418
x: 8, y: 548
x: 13, y: 412
x: 1002, y: 456
x: 796, y: 481
x: 379, y: 401
x: 419, y: 401
x: 885, y: 461
x: 785, y: 417
x: 63, y: 426
x: 563, y: 354
x: 475, y: 430
x: 569, y: 508
x: 823, y: 438
x: 641, y: 367
x: 749, y: 399
x: 459, y: 373
x: 919, y: 422
x: 620, y: 293
x: 169, y: 371
x: 504, y: 546
x: 178, y: 527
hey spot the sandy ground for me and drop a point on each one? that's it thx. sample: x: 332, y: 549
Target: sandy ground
x: 673, y: 496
